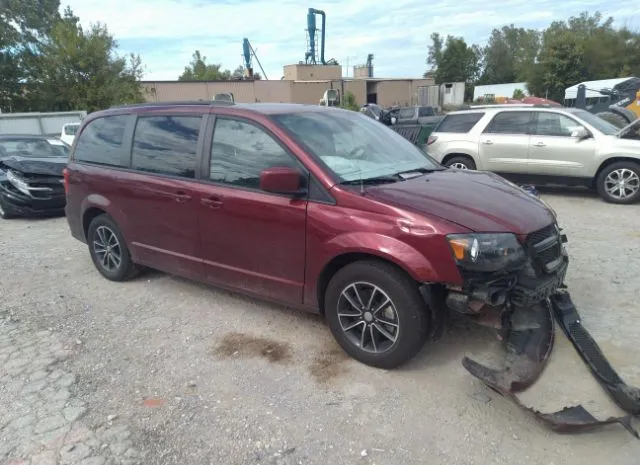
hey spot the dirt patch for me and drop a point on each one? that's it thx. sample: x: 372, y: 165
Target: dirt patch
x: 245, y: 346
x: 329, y: 365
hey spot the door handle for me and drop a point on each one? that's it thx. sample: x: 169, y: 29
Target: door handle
x: 212, y: 202
x: 539, y: 144
x: 487, y: 142
x: 181, y: 197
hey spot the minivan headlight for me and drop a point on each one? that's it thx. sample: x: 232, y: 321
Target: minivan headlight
x: 487, y: 251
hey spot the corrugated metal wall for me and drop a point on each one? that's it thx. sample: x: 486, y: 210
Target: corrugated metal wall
x: 394, y: 93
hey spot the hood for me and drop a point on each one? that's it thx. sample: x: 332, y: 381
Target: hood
x: 50, y: 166
x: 633, y: 125
x: 477, y: 200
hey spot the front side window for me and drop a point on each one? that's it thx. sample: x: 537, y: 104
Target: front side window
x: 555, y: 124
x: 241, y: 150
x: 511, y: 122
x: 353, y: 146
x: 166, y: 145
x: 101, y: 141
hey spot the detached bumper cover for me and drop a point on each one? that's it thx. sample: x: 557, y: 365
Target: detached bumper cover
x: 529, y: 336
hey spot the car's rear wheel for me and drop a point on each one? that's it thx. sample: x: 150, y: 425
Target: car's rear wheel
x: 109, y: 251
x: 620, y: 182
x: 460, y: 162
x: 376, y: 313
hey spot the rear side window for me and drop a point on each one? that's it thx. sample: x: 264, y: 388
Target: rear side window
x: 100, y: 142
x: 406, y: 113
x: 166, y: 145
x: 459, y: 123
x: 511, y: 122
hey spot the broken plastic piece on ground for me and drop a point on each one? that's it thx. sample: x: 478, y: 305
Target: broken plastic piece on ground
x: 528, y: 340
x: 626, y: 397
x: 153, y: 402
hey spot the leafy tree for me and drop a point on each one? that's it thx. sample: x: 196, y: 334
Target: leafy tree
x: 22, y: 24
x: 239, y: 73
x: 199, y: 70
x: 518, y: 94
x: 453, y: 60
x: 78, y: 69
x: 509, y: 55
x: 349, y: 102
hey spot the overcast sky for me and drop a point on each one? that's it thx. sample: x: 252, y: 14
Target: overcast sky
x: 166, y: 32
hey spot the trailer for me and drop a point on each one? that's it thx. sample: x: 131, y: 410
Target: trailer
x: 39, y: 123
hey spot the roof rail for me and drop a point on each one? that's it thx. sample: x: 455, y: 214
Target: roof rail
x: 515, y: 105
x: 178, y: 102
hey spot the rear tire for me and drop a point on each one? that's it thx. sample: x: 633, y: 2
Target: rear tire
x: 378, y: 334
x: 613, y: 118
x: 461, y: 162
x: 609, y: 185
x: 109, y: 250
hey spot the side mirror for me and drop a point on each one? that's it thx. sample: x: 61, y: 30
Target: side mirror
x: 282, y: 180
x: 580, y: 133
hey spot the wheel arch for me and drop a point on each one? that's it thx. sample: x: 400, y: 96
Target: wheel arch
x: 458, y: 153
x: 88, y: 216
x: 611, y: 161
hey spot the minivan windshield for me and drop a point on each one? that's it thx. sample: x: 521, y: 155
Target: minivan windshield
x: 354, y: 146
x: 600, y: 124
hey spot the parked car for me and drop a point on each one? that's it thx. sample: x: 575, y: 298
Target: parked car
x: 417, y: 115
x: 69, y: 132
x: 314, y: 207
x: 31, y: 175
x: 543, y: 145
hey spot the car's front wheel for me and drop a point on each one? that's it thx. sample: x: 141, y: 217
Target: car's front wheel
x: 109, y: 251
x: 376, y: 313
x: 460, y: 162
x: 620, y: 182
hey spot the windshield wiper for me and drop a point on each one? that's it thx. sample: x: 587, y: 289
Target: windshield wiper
x: 417, y: 172
x: 370, y: 181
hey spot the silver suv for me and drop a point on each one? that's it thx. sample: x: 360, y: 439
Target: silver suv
x: 543, y: 145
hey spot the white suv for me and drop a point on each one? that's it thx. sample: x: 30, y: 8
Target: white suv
x: 543, y: 145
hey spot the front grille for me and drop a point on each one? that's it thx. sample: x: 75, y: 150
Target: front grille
x: 45, y: 187
x: 545, y: 249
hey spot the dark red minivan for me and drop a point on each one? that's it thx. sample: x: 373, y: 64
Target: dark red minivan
x: 319, y: 208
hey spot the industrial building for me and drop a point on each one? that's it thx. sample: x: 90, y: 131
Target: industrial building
x: 307, y: 81
x: 306, y: 84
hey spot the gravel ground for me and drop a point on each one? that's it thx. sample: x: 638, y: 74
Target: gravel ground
x: 160, y: 370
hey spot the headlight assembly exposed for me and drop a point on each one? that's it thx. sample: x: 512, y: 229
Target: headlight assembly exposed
x: 486, y: 252
x: 17, y: 182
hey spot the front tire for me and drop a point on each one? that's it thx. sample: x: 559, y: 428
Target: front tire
x: 619, y: 183
x: 461, y: 162
x: 376, y: 314
x: 109, y: 250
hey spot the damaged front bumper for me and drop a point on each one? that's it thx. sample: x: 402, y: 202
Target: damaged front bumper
x: 522, y: 306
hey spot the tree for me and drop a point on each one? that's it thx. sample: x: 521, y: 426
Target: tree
x: 238, y: 73
x: 583, y: 48
x: 199, y: 70
x: 454, y: 61
x: 509, y: 55
x: 22, y: 25
x: 349, y: 101
x: 518, y: 94
x: 78, y: 69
